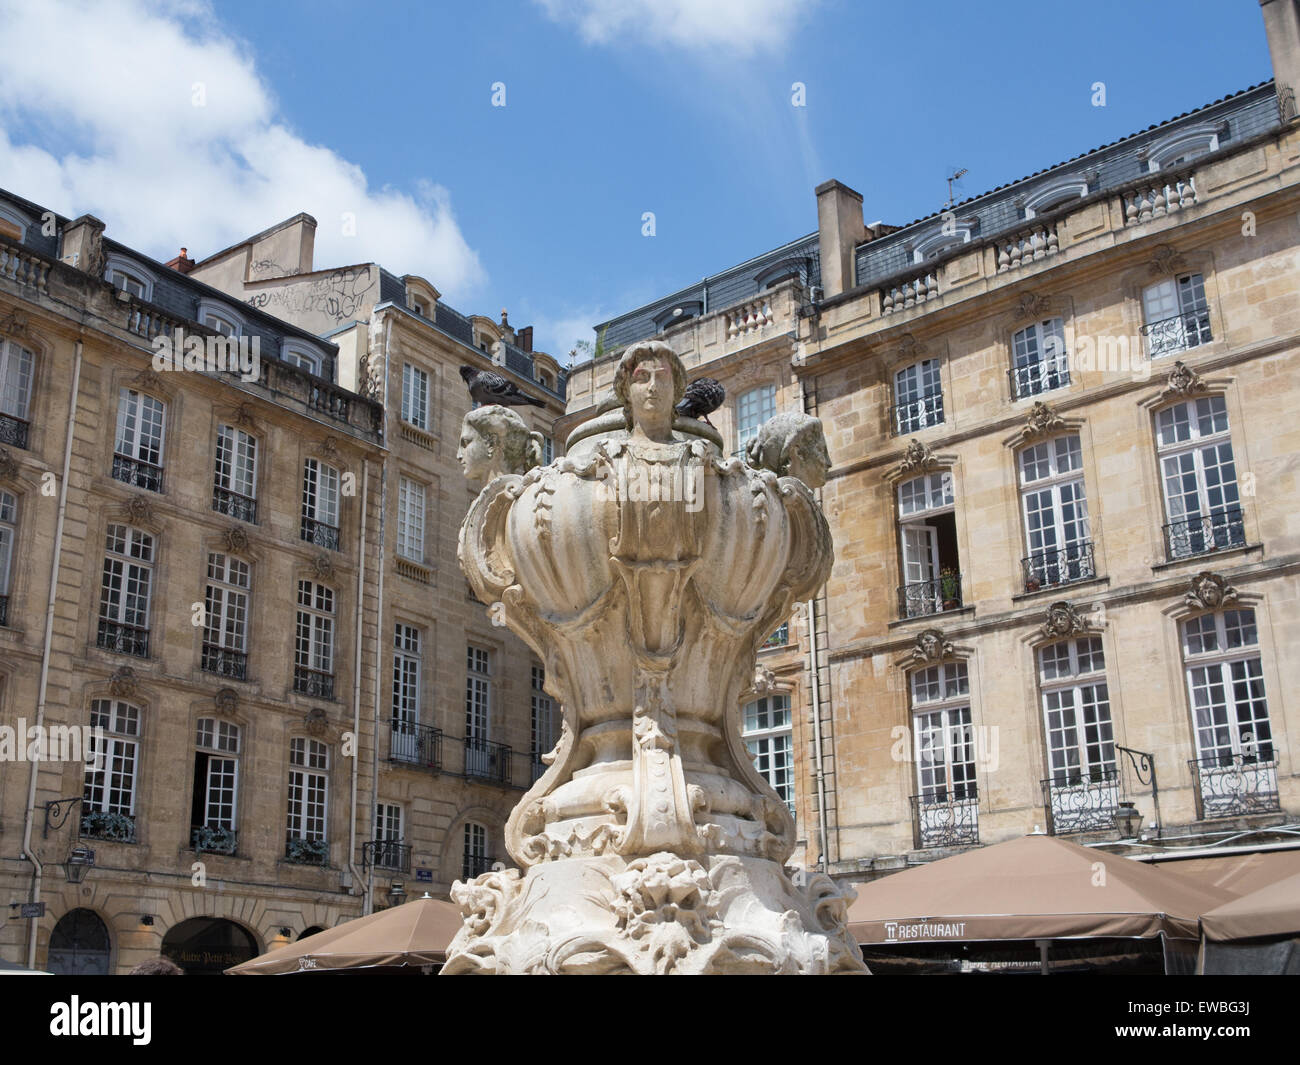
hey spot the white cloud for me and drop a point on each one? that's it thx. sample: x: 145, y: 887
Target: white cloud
x: 557, y: 335
x: 741, y: 27
x: 156, y: 120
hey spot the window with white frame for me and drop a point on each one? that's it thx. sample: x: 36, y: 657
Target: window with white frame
x: 138, y: 444
x: 931, y: 566
x: 1054, y: 504
x: 475, y: 855
x: 1236, y: 762
x: 314, y: 646
x: 125, y: 591
x: 225, y: 617
x: 128, y: 280
x: 1038, y: 358
x: 308, y: 800
x: 320, y: 504
x: 1202, y: 503
x: 224, y: 324
x: 478, y: 693
x: 213, y: 806
x: 1053, y: 195
x: 8, y: 536
x: 301, y: 356
x: 544, y: 721
x: 415, y: 397
x: 1182, y: 147
x: 753, y: 408
x: 405, y: 714
x: 113, y: 759
x: 548, y: 449
x: 388, y: 851
x: 410, y: 519
x: 234, y: 489
x: 768, y: 736
x: 1176, y: 315
x: 946, y: 808
x: 918, y: 397
x: 1083, y: 780
x: 17, y: 365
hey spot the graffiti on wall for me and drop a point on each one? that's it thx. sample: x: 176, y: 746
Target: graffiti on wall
x: 338, y: 295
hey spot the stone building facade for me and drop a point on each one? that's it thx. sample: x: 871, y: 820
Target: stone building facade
x: 1062, y: 496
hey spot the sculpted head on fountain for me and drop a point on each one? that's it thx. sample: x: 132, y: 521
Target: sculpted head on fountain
x: 494, y: 440
x: 649, y: 382
x: 792, y: 444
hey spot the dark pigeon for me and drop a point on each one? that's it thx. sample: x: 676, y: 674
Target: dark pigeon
x: 487, y: 387
x: 702, y: 397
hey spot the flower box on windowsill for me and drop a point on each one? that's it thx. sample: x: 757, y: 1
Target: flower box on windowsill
x: 207, y: 839
x: 111, y: 827
x: 307, y: 851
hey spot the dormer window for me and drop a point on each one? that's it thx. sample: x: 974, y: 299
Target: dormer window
x: 942, y: 240
x: 1182, y: 147
x: 302, y: 356
x: 220, y: 318
x: 128, y: 277
x: 419, y: 308
x: 12, y: 224
x: 1055, y: 194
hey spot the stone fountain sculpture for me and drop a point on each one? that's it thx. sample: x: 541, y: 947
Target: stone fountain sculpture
x: 645, y: 569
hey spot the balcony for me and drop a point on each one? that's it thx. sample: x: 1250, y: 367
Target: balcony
x: 137, y: 473
x: 475, y: 865
x: 908, y: 291
x: 1179, y: 333
x: 313, y: 682
x: 14, y: 431
x: 486, y: 760
x: 391, y: 855
x: 1062, y: 565
x: 306, y: 851
x: 320, y: 534
x: 1082, y: 800
x: 225, y: 662
x: 224, y: 501
x: 941, y: 818
x: 213, y: 839
x: 1205, y: 534
x: 1235, y: 785
x: 108, y: 826
x: 1039, y: 377
x: 921, y: 598
x: 916, y: 414
x: 123, y: 639
x: 417, y: 745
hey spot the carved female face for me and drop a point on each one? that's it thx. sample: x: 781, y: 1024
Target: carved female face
x: 810, y: 461
x: 650, y: 394
x: 475, y: 453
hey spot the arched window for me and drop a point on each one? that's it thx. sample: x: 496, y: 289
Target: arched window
x: 941, y: 240
x: 79, y: 945
x: 128, y: 276
x: 1053, y: 195
x: 1055, y: 508
x: 298, y: 354
x: 1182, y: 146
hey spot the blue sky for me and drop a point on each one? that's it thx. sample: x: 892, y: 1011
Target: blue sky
x: 612, y: 108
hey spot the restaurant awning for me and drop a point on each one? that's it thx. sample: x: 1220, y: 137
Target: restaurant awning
x: 1239, y: 873
x: 1273, y: 910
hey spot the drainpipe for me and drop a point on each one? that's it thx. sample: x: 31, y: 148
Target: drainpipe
x: 38, y: 870
x: 356, y: 678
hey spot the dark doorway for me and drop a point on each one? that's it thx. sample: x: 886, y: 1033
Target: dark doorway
x: 208, y: 945
x: 79, y: 945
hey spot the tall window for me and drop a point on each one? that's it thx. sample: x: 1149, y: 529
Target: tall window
x: 16, y: 367
x: 8, y: 534
x: 410, y: 519
x: 234, y: 489
x: 753, y: 408
x: 475, y: 859
x: 548, y: 449
x: 213, y: 807
x: 405, y: 746
x: 108, y: 799
x: 1083, y: 781
x: 928, y: 535
x: 770, y: 741
x: 320, y: 504
x: 1200, y: 479
x: 313, y: 672
x: 482, y: 757
x: 1055, y: 508
x: 225, y: 617
x: 545, y: 726
x: 388, y: 849
x: 415, y: 397
x: 1236, y: 764
x: 137, y: 449
x: 1039, y: 362
x: 946, y: 810
x: 305, y: 836
x: 125, y: 591
x: 1177, y: 316
x: 918, y: 397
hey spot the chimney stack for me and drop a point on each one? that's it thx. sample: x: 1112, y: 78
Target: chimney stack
x: 182, y: 263
x: 83, y: 245
x: 1282, y: 25
x: 840, y: 229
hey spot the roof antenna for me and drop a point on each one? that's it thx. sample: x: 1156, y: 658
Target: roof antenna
x: 955, y: 176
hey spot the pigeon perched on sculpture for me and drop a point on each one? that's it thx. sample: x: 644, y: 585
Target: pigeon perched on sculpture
x: 487, y: 387
x: 703, y: 396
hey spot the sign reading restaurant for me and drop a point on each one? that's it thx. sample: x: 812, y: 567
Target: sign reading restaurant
x: 897, y: 932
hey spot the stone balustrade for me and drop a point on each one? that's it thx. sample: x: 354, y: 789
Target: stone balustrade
x: 748, y: 318
x: 1164, y: 194
x: 1027, y: 245
x: 908, y: 292
x: 22, y: 266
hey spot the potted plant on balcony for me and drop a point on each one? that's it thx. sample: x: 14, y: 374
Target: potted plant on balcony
x: 1032, y: 583
x: 307, y: 851
x: 107, y: 825
x: 949, y: 588
x: 213, y: 839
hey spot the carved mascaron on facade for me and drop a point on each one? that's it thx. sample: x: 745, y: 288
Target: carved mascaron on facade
x: 645, y: 569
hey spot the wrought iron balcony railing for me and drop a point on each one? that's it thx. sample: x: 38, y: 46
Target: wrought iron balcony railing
x: 1179, y: 333
x: 225, y: 662
x: 414, y: 744
x: 138, y: 473
x: 1039, y: 377
x: 1082, y: 800
x: 386, y: 854
x: 224, y: 501
x: 476, y: 864
x: 313, y: 682
x: 1205, y: 533
x: 123, y: 639
x: 213, y: 839
x: 1233, y: 785
x: 946, y: 817
x: 1061, y: 565
x: 320, y: 534
x: 14, y: 431
x: 486, y: 760
x: 916, y: 414
x: 930, y: 597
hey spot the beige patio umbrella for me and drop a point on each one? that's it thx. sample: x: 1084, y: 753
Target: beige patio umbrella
x: 1031, y: 888
x: 414, y: 934
x: 1273, y: 910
